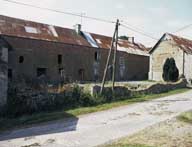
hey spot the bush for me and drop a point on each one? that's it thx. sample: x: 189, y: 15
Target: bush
x: 26, y: 101
x: 170, y: 70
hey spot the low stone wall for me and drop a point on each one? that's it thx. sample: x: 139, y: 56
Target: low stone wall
x: 23, y: 99
x: 152, y: 89
x: 162, y: 87
x: 3, y: 75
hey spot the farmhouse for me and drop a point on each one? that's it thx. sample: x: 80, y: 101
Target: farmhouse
x: 171, y: 46
x: 61, y: 54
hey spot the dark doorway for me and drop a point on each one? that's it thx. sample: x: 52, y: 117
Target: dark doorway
x: 59, y: 59
x: 110, y: 72
x: 21, y: 59
x: 41, y: 71
x: 10, y: 74
x: 81, y: 74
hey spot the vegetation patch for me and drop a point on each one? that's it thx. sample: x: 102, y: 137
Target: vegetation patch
x: 127, y: 145
x: 170, y: 133
x: 170, y: 70
x: 186, y: 117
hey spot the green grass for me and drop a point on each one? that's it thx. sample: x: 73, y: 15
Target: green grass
x: 125, y: 145
x: 29, y: 120
x: 186, y: 117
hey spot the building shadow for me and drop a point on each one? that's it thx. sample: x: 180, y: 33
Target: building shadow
x: 66, y: 125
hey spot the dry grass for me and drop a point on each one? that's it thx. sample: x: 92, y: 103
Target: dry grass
x: 172, y: 133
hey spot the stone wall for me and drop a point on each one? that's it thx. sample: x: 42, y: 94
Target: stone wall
x: 152, y: 89
x: 3, y: 75
x: 162, y: 87
x: 166, y: 49
x: 188, y: 67
x: 78, y: 62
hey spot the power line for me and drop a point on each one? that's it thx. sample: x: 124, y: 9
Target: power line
x: 58, y: 11
x: 138, y: 29
x: 80, y: 15
x: 142, y: 33
x: 183, y: 28
x: 132, y: 26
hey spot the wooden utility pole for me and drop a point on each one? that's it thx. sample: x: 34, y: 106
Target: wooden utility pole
x: 109, y: 56
x: 114, y: 57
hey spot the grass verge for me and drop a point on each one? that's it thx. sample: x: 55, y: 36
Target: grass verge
x: 26, y: 121
x: 186, y: 117
x: 127, y: 145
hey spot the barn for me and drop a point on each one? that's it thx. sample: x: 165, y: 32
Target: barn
x: 171, y: 46
x: 61, y: 54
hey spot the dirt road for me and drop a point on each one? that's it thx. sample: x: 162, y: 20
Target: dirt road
x: 97, y: 128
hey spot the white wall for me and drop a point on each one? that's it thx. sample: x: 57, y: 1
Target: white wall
x: 166, y: 49
x: 188, y: 67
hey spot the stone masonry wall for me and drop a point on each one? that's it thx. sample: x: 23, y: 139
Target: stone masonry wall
x: 157, y: 88
x: 188, y: 67
x: 3, y: 75
x: 166, y: 49
x: 78, y: 63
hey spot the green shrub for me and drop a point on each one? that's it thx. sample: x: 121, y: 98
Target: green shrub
x: 86, y: 100
x: 170, y: 70
x: 22, y: 102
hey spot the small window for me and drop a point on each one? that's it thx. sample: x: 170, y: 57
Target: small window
x: 21, y: 59
x: 10, y: 74
x: 41, y: 71
x: 59, y: 59
x: 96, y: 56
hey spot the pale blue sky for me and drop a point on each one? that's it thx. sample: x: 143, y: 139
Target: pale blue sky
x: 154, y: 17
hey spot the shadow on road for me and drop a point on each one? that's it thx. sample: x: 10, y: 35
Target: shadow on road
x: 67, y: 125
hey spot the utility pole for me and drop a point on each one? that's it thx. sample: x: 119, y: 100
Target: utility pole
x: 114, y: 57
x: 115, y: 38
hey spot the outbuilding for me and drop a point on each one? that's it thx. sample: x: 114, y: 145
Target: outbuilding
x: 171, y: 46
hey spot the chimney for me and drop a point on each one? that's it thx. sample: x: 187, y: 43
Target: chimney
x: 131, y: 39
x: 78, y: 29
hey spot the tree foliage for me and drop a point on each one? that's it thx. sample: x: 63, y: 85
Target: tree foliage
x: 124, y: 37
x: 170, y: 70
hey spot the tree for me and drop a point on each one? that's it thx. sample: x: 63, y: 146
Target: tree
x: 123, y: 37
x: 170, y: 70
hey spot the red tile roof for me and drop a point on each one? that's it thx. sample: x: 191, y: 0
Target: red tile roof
x: 123, y: 45
x: 182, y: 43
x: 27, y: 29
x: 16, y: 27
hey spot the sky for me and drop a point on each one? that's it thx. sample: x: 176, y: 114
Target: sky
x: 154, y: 17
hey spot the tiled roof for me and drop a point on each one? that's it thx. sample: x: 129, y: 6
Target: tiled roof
x: 27, y: 29
x: 123, y: 45
x: 182, y: 43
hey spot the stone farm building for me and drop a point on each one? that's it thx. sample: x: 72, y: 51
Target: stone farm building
x: 171, y: 46
x: 62, y: 54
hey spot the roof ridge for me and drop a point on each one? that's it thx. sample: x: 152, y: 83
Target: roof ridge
x: 17, y: 27
x: 31, y: 21
x: 41, y: 23
x: 179, y: 37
